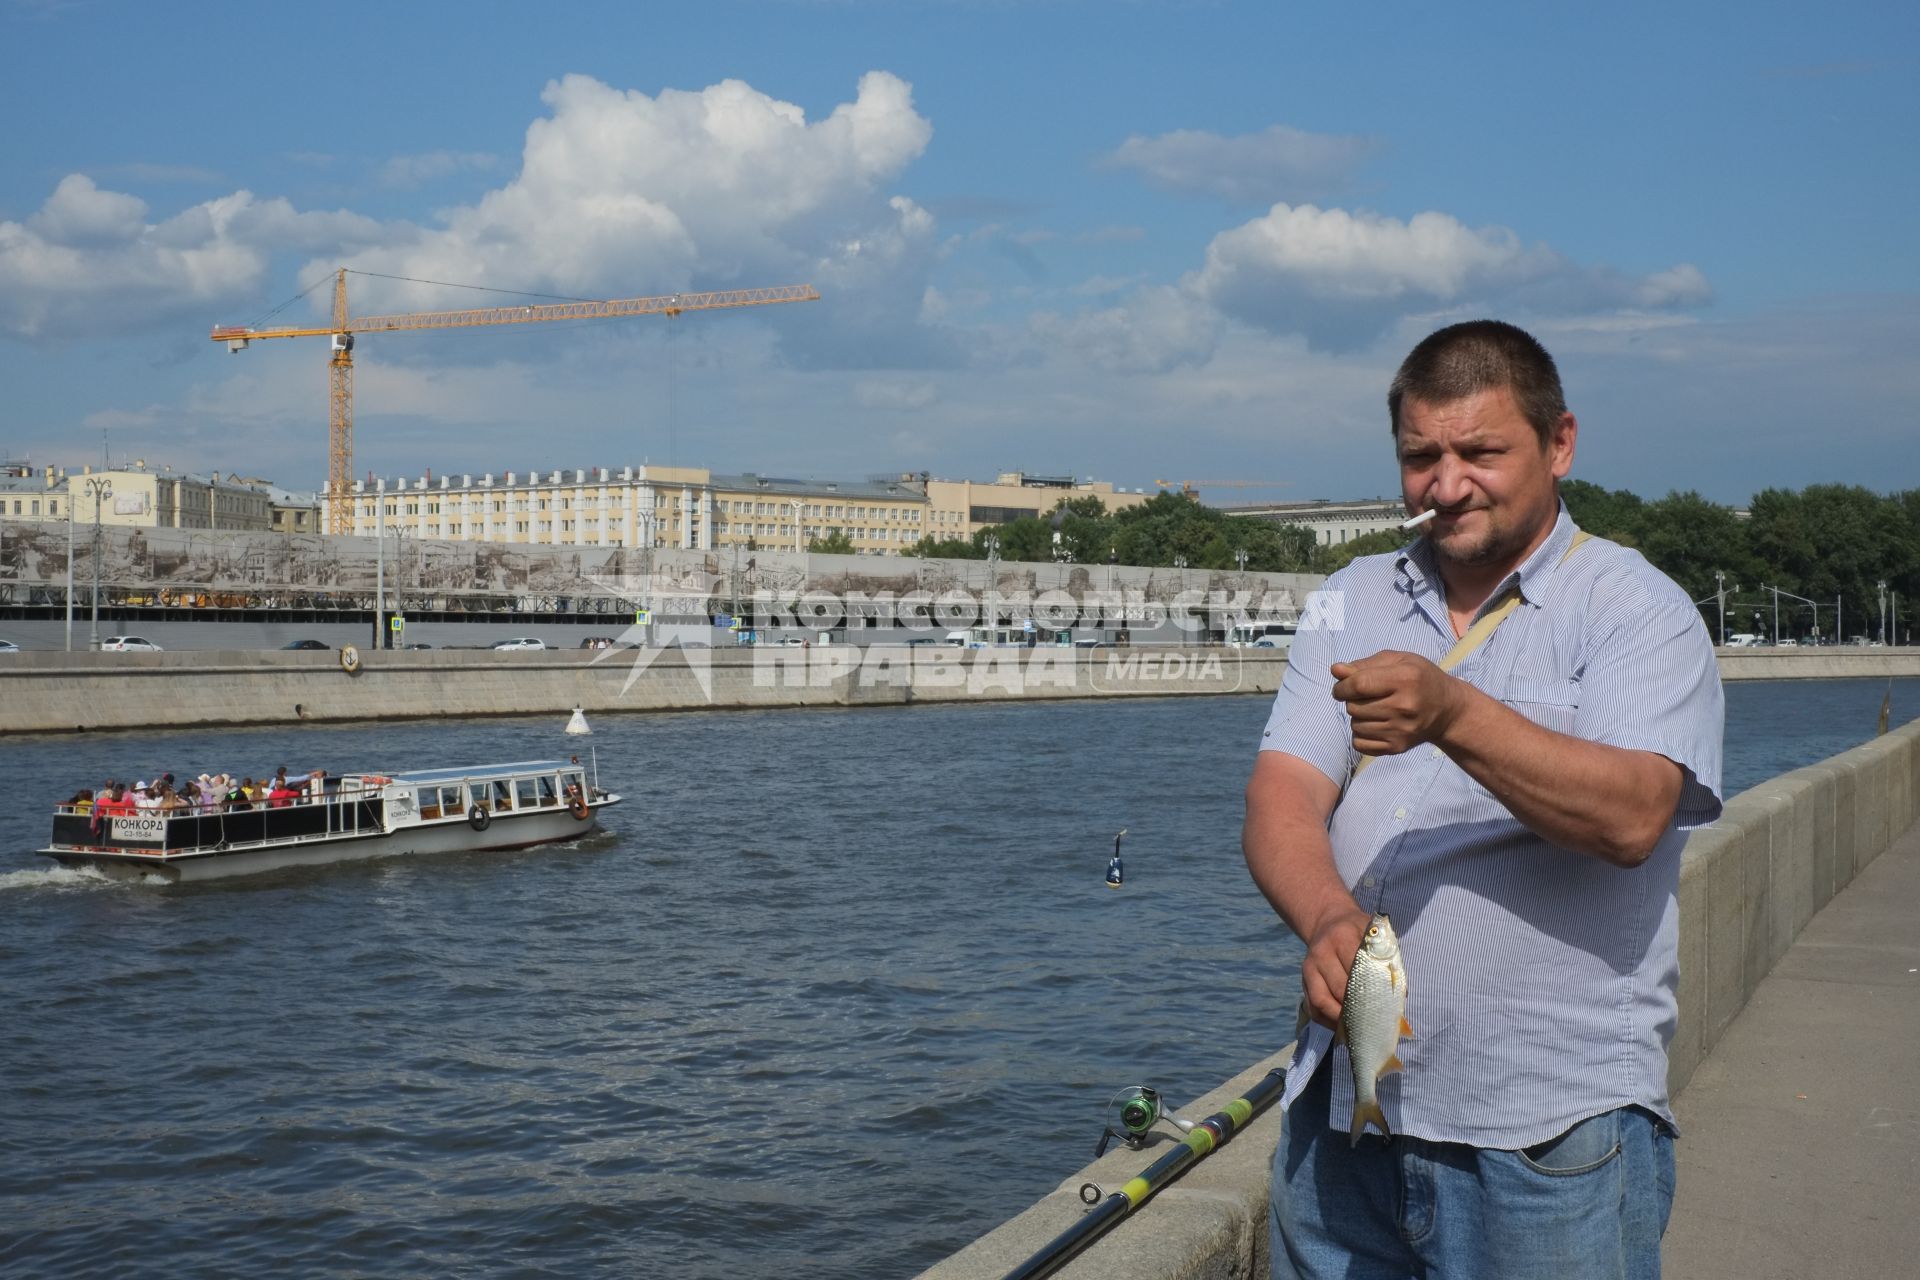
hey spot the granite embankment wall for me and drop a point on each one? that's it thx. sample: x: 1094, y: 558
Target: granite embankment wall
x: 52, y: 692
x: 1748, y: 885
x: 62, y: 692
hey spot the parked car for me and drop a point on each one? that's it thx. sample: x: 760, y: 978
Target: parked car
x: 520, y: 642
x: 416, y: 645
x: 305, y: 644
x: 128, y: 644
x: 8, y: 646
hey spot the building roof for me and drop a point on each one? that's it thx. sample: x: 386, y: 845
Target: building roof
x: 780, y: 486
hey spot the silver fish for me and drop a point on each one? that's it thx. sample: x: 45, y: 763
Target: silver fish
x: 1373, y: 1017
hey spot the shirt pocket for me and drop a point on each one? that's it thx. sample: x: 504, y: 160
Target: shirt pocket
x: 1551, y: 704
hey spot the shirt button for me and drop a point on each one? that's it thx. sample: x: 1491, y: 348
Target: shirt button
x: 1367, y: 881
x: 1437, y: 753
x: 1399, y: 814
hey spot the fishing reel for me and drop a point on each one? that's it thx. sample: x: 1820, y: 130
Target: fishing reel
x: 1131, y: 1115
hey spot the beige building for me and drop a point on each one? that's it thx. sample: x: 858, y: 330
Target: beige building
x: 134, y: 497
x: 1332, y: 523
x: 630, y: 507
x: 686, y: 507
x: 693, y: 508
x: 957, y: 508
x: 291, y: 512
x: 27, y: 494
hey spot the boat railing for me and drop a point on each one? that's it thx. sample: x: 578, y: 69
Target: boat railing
x: 345, y: 810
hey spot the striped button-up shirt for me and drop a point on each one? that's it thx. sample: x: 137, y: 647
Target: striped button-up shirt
x: 1541, y: 982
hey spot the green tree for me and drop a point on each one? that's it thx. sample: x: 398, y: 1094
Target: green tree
x: 1613, y: 514
x: 1330, y: 559
x: 946, y: 549
x: 1690, y: 538
x: 834, y: 542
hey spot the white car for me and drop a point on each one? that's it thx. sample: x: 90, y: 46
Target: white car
x: 128, y: 644
x: 8, y: 646
x: 520, y: 642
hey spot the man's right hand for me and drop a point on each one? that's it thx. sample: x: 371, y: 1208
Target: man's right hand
x: 1334, y: 942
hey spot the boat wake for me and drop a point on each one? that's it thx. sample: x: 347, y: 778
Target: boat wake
x: 54, y: 878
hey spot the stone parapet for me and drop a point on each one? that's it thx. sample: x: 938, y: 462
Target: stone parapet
x: 62, y: 692
x: 1748, y: 885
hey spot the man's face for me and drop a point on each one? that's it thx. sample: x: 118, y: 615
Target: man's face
x: 1479, y: 463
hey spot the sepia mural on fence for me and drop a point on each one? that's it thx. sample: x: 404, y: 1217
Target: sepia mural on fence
x: 216, y: 568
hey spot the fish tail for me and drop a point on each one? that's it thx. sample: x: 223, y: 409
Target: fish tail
x: 1363, y: 1112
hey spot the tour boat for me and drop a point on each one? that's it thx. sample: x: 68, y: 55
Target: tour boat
x: 337, y: 818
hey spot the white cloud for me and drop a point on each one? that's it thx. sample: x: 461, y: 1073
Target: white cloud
x: 1157, y: 329
x: 1278, y: 163
x: 617, y: 194
x: 620, y: 194
x: 1343, y: 278
x: 894, y: 397
x: 412, y: 171
x: 90, y: 262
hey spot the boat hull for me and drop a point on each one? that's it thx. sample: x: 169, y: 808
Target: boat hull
x: 506, y: 831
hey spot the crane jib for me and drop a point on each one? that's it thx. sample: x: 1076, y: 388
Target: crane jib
x: 666, y: 304
x: 339, y: 484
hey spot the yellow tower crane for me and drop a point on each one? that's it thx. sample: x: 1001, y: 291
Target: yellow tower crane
x: 340, y: 381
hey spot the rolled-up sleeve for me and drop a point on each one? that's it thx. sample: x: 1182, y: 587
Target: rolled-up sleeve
x: 1305, y: 720
x: 1650, y: 683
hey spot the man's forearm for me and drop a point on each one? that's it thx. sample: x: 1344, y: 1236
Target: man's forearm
x: 1609, y: 802
x: 1291, y: 860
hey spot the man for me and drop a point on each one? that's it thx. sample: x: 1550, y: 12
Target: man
x: 1519, y: 816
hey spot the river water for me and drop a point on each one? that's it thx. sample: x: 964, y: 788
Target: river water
x: 832, y: 994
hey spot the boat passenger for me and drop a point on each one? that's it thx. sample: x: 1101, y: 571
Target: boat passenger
x: 82, y: 801
x: 170, y: 801
x: 282, y: 793
x: 237, y: 798
x: 114, y: 803
x: 145, y: 797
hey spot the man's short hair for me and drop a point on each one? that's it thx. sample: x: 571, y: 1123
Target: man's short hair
x: 1478, y: 355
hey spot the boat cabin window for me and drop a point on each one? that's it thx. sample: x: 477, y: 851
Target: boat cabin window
x: 528, y: 793
x: 574, y: 784
x: 453, y: 802
x: 502, y: 794
x: 547, y: 794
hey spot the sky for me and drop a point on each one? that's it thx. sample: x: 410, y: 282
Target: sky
x: 1129, y: 241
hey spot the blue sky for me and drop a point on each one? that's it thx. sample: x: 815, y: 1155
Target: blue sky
x: 1133, y: 241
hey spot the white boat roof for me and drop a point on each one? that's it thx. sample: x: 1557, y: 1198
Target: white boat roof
x: 433, y: 777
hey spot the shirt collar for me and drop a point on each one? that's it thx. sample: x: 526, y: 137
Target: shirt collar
x: 1416, y: 570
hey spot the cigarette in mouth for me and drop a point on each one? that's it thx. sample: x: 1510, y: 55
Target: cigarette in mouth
x: 1420, y: 519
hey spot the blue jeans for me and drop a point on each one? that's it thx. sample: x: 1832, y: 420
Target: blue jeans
x: 1591, y: 1204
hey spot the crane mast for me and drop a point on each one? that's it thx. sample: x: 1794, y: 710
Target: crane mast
x: 344, y: 327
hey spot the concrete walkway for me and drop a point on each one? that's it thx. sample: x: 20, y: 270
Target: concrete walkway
x: 1800, y: 1134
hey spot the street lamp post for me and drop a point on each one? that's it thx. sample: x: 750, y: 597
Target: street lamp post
x: 1881, y: 587
x: 1814, y: 605
x: 799, y: 509
x: 101, y: 488
x: 69, y: 570
x: 1719, y: 580
x: 379, y: 577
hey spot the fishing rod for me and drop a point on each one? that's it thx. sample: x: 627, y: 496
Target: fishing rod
x: 1138, y: 1113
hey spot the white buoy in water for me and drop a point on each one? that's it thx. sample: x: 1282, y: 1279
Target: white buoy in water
x: 578, y: 724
